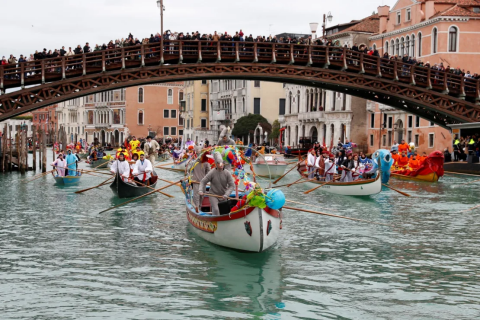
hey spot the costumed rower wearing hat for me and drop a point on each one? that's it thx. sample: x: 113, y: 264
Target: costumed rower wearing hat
x: 329, y: 167
x: 121, y: 167
x: 151, y: 148
x: 221, y: 183
x: 143, y: 170
x: 225, y: 139
x: 200, y: 170
x: 60, y: 165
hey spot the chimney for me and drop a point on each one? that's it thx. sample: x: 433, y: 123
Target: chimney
x: 383, y: 12
x: 429, y: 9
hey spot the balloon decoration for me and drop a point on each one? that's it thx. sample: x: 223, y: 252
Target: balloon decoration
x: 275, y: 199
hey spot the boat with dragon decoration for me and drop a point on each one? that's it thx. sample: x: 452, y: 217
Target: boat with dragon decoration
x: 250, y: 220
x: 430, y: 170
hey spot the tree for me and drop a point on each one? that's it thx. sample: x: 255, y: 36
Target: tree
x: 275, y: 130
x: 246, y: 125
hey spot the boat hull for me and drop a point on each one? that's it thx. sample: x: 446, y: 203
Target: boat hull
x: 68, y: 180
x: 253, y: 229
x: 431, y: 177
x: 275, y: 170
x: 125, y: 190
x: 99, y: 164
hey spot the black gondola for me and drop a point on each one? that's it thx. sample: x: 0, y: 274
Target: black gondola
x: 127, y: 190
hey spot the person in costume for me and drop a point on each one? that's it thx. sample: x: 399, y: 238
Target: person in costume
x: 201, y: 168
x: 71, y: 160
x: 414, y: 163
x: 356, y: 167
x: 137, y: 152
x: 225, y: 139
x: 60, y: 165
x: 403, y: 147
x: 347, y: 167
x: 329, y: 167
x: 403, y: 160
x: 311, y: 161
x: 142, y: 171
x: 189, y: 145
x: 221, y: 183
x: 395, y: 157
x: 121, y: 167
x: 134, y: 143
x: 151, y: 148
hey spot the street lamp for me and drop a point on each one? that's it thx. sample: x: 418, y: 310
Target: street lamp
x: 328, y: 17
x: 162, y: 8
x: 313, y: 27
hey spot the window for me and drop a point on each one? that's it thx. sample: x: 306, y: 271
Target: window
x: 165, y: 131
x: 384, y: 140
x: 417, y: 140
x: 419, y: 44
x: 35, y: 117
x: 180, y: 96
x: 180, y: 121
x: 452, y: 39
x: 344, y: 104
x: 140, y: 95
x: 180, y: 132
x: 256, y: 84
x: 432, y: 123
x: 409, y: 135
x: 390, y: 122
x: 256, y: 105
x: 397, y: 46
x: 372, y: 120
x: 166, y: 113
x: 476, y: 10
x: 434, y: 40
x: 399, y: 17
x: 412, y: 46
x: 204, y: 105
x: 409, y: 15
x: 371, y: 140
x: 392, y: 48
x: 417, y: 121
x: 407, y: 45
x: 386, y: 47
x: 173, y: 114
x: 402, y: 46
x: 410, y: 121
x: 431, y: 140
x: 188, y: 124
x: 170, y: 96
x: 173, y: 131
x: 204, y: 81
x: 140, y: 117
x: 203, y: 123
x: 389, y: 138
x: 333, y: 101
x: 281, y: 106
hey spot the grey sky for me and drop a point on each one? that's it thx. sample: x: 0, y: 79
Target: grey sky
x: 33, y: 25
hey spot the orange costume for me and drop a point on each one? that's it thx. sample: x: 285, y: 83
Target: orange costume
x: 402, y: 161
x: 414, y: 164
x: 395, y: 157
x: 403, y: 147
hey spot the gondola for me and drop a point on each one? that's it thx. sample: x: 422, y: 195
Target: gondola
x: 99, y: 163
x: 68, y: 180
x: 128, y: 190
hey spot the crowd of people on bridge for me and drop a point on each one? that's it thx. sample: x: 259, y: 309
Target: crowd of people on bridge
x: 238, y: 36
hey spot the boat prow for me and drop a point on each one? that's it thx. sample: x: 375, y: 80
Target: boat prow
x: 431, y: 177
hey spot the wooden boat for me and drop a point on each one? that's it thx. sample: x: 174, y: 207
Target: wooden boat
x: 251, y: 229
x: 99, y: 163
x: 364, y: 187
x: 83, y: 155
x: 127, y: 190
x: 68, y: 180
x: 431, y: 177
x: 270, y: 165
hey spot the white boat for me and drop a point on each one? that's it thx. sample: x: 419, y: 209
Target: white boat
x: 251, y: 229
x: 270, y: 165
x: 363, y: 187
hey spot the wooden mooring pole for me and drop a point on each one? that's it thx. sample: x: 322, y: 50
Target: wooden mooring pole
x: 44, y: 152
x: 10, y: 156
x: 20, y: 149
x: 34, y: 146
x: 4, y: 148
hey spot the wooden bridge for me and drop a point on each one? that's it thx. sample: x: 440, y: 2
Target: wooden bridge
x: 441, y: 97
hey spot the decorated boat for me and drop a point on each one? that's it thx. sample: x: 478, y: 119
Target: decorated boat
x: 249, y: 221
x: 430, y: 170
x: 270, y: 165
x: 361, y: 187
x: 130, y: 190
x: 68, y: 180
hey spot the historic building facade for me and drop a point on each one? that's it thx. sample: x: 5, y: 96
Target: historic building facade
x: 232, y: 99
x: 433, y: 31
x: 71, y: 116
x: 196, y: 115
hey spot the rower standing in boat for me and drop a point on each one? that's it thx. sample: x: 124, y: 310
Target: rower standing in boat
x: 311, y: 161
x: 71, y: 160
x: 329, y: 167
x: 347, y: 166
x: 60, y: 164
x: 143, y: 170
x: 225, y: 139
x: 151, y: 148
x: 121, y: 167
x: 200, y: 170
x: 356, y: 168
x: 221, y: 183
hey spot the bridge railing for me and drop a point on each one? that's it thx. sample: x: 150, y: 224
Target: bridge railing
x: 181, y: 51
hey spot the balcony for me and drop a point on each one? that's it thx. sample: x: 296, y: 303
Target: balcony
x: 313, y: 116
x: 102, y: 125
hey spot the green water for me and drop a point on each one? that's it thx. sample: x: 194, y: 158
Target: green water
x: 60, y: 259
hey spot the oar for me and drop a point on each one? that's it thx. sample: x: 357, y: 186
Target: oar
x: 168, y: 181
x: 164, y: 165
x: 306, y: 204
x: 165, y: 194
x: 275, y: 182
x: 291, y: 184
x: 101, y: 184
x: 335, y: 216
x: 135, y: 199
x: 403, y: 193
x: 38, y: 176
x: 313, y: 189
x: 470, y: 209
x: 284, y: 185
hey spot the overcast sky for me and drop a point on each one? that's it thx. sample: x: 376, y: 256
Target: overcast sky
x: 32, y: 25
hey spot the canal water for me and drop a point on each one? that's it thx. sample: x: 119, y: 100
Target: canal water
x: 60, y: 259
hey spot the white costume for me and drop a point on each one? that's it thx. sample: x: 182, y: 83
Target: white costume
x: 122, y: 168
x: 329, y: 169
x: 61, y: 165
x: 143, y: 170
x: 311, y: 160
